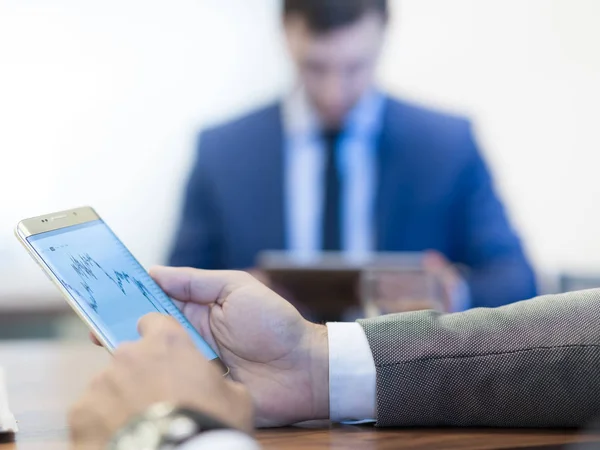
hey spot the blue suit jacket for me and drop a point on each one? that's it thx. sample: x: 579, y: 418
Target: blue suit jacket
x: 434, y: 192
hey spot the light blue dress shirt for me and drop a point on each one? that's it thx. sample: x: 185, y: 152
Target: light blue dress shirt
x: 304, y: 180
x: 304, y: 160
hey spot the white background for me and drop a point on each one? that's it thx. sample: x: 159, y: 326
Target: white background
x: 100, y: 103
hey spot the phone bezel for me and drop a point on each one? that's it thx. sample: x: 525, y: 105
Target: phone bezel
x: 55, y: 221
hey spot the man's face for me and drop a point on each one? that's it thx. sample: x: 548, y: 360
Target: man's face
x: 336, y: 68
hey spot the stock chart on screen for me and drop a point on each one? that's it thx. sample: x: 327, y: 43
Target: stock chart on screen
x: 105, y: 280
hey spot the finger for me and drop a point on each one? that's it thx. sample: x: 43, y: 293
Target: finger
x: 434, y: 261
x: 180, y: 305
x: 196, y: 285
x: 156, y: 323
x: 199, y: 317
x: 94, y: 339
x: 165, y: 329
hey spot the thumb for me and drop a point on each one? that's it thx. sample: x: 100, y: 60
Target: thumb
x: 197, y: 285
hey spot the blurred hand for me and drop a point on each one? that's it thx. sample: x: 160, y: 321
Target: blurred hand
x: 389, y: 291
x: 450, y: 279
x: 163, y: 366
x: 434, y: 286
x: 280, y: 357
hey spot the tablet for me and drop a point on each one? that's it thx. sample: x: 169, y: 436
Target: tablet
x: 324, y: 285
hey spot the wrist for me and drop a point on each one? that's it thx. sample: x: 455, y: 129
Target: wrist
x: 319, y: 371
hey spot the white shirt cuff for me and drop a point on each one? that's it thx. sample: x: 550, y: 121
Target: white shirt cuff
x: 352, y: 378
x: 221, y: 439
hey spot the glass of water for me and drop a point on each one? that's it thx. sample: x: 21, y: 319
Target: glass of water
x: 387, y: 290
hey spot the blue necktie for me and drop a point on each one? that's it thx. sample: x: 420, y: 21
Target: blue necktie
x: 331, y: 205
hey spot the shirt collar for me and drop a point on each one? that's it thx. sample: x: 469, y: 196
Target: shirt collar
x: 364, y: 119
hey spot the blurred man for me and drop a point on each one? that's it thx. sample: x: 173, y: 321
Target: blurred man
x: 530, y: 364
x: 339, y: 165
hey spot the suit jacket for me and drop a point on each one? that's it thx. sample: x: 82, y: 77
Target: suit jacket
x: 434, y: 192
x: 529, y: 364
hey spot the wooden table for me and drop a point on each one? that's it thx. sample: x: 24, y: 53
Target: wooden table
x: 45, y: 377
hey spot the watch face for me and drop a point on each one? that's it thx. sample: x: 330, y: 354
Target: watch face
x: 163, y: 426
x: 148, y: 435
x: 138, y: 435
x: 180, y: 428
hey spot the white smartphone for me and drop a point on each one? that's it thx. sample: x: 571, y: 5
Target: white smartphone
x: 101, y: 280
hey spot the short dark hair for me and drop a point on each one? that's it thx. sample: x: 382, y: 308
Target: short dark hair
x: 323, y: 16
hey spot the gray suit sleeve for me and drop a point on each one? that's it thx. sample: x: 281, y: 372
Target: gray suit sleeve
x: 534, y: 363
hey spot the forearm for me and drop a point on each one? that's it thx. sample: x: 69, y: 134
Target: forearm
x: 530, y: 364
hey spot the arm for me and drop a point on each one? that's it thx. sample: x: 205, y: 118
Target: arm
x: 530, y: 364
x: 499, y: 272
x: 198, y: 240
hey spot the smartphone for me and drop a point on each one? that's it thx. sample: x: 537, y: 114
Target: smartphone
x: 101, y: 280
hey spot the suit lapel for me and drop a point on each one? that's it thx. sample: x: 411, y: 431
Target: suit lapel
x: 270, y: 183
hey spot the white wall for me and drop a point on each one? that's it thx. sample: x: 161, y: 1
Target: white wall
x: 99, y: 103
x: 528, y: 72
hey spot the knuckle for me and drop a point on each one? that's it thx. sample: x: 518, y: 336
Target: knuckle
x: 241, y: 276
x: 111, y: 377
x: 149, y: 320
x: 97, y: 381
x: 172, y: 332
x: 169, y: 323
x: 78, y: 414
x: 169, y: 342
x: 75, y: 413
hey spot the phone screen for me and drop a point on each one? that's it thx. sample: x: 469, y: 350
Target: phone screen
x: 107, y: 282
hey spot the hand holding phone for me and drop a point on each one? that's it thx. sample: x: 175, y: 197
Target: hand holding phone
x: 98, y: 276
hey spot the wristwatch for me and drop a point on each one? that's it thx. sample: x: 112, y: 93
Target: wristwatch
x: 163, y: 426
